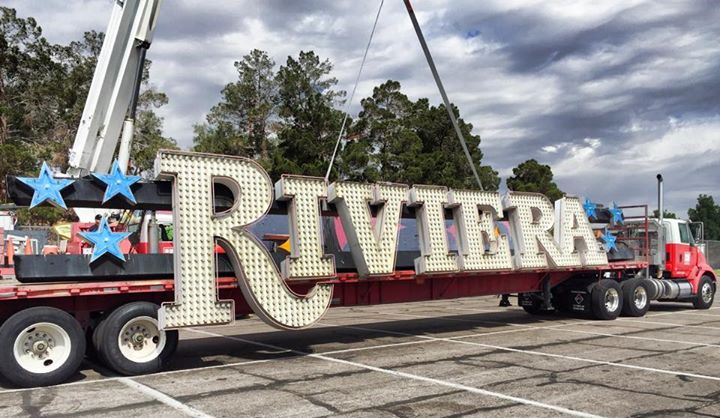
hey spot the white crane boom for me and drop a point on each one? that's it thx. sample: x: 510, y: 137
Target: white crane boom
x: 114, y: 87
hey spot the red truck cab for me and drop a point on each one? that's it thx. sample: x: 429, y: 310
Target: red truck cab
x: 684, y: 257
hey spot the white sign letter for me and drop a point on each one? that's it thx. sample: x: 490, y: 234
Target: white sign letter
x: 430, y: 202
x: 573, y: 232
x: 198, y: 227
x: 531, y: 219
x: 307, y: 258
x: 480, y: 244
x: 373, y: 246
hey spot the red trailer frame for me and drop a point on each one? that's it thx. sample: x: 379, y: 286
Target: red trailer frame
x: 87, y: 300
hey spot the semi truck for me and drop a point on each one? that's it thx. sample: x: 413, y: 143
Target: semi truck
x: 59, y: 308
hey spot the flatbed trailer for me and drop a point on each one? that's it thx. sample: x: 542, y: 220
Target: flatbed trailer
x: 89, y: 300
x: 93, y: 309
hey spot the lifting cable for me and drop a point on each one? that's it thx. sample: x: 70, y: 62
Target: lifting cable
x: 436, y: 76
x: 349, y: 102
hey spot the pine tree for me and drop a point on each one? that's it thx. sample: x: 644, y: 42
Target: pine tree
x: 531, y: 176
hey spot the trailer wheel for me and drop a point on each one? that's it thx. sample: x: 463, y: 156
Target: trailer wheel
x: 706, y: 293
x: 96, y: 338
x: 636, y: 297
x: 40, y: 346
x: 607, y: 299
x: 130, y: 342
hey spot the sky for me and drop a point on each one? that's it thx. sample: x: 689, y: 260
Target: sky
x: 607, y: 93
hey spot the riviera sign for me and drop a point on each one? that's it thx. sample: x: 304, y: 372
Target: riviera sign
x: 545, y: 236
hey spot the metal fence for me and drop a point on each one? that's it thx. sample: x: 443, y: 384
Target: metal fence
x: 712, y: 253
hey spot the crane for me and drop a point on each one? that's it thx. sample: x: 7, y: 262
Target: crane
x: 113, y: 96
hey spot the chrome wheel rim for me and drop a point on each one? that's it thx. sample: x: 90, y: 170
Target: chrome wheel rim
x: 640, y: 297
x: 706, y: 292
x: 612, y: 300
x: 141, y: 340
x: 42, y: 347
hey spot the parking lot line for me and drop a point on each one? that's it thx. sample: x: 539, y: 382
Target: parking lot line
x: 696, y: 312
x: 411, y: 376
x: 636, y: 337
x: 118, y: 378
x: 670, y: 324
x: 459, y: 340
x: 520, y: 328
x: 164, y: 398
x: 562, y: 325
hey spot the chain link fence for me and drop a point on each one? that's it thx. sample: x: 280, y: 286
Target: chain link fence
x: 712, y: 253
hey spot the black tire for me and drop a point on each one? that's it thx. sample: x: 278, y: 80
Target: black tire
x: 636, y: 297
x: 535, y: 307
x: 108, y: 345
x: 96, y: 338
x: 606, y: 299
x: 706, y: 293
x: 47, y: 321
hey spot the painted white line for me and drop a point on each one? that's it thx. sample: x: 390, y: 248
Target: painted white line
x: 585, y: 360
x: 164, y: 398
x: 696, y: 313
x: 600, y: 334
x: 670, y: 324
x: 411, y: 376
x: 686, y: 312
x: 115, y: 379
x: 250, y: 362
x: 460, y: 339
x: 508, y: 309
x: 391, y: 345
x: 635, y: 337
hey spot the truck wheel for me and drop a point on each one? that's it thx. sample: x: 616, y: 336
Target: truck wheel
x: 706, y: 293
x: 130, y: 342
x: 636, y: 297
x: 96, y: 338
x: 607, y: 299
x: 40, y: 346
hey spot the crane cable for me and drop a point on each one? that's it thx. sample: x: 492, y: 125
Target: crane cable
x: 436, y: 76
x: 349, y: 102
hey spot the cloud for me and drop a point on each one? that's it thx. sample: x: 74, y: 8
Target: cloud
x: 608, y: 93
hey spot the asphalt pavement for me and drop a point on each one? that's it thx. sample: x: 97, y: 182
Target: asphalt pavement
x: 464, y: 357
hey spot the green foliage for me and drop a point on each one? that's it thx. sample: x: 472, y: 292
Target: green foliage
x: 531, y: 176
x: 43, y: 88
x: 309, y: 123
x: 398, y: 140
x: 666, y: 214
x: 707, y: 212
x: 239, y: 123
x: 287, y: 119
x: 47, y: 215
x: 149, y: 138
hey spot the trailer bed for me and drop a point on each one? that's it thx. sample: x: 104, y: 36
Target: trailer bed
x: 87, y: 297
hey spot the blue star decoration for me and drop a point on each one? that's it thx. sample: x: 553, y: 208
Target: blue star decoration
x: 589, y: 208
x: 117, y: 183
x: 46, y: 188
x: 105, y: 241
x: 609, y: 239
x: 617, y: 215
